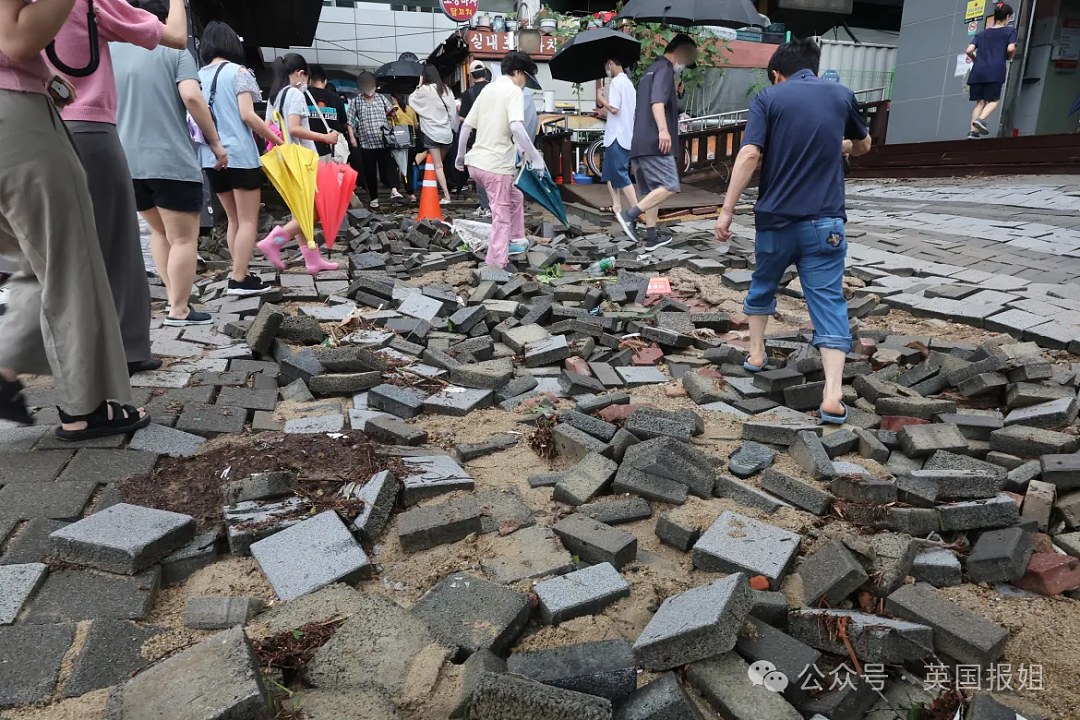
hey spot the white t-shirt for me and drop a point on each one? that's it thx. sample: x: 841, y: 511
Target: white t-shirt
x: 620, y: 126
x: 500, y: 104
x: 294, y: 103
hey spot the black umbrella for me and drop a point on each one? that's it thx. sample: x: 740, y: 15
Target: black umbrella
x: 582, y: 58
x: 726, y: 13
x: 399, y: 76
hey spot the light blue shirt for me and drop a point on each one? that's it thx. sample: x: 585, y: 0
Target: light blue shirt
x: 235, y: 135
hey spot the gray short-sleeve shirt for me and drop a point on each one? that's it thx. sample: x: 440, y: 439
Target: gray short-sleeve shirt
x: 151, y: 119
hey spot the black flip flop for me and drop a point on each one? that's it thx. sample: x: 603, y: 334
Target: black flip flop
x: 12, y: 404
x: 125, y: 420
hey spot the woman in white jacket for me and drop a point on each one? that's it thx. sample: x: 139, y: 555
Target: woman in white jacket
x: 434, y: 104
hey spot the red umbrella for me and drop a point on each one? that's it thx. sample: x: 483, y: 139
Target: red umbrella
x: 334, y: 187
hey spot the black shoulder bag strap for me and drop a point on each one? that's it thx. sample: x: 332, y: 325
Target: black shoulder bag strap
x: 92, y: 65
x: 213, y: 92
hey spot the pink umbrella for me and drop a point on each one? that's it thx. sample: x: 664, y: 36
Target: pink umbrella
x: 334, y: 187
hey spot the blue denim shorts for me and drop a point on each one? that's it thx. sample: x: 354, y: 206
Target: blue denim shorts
x: 616, y: 168
x: 817, y: 248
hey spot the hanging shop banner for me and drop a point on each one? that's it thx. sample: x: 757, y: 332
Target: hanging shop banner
x: 486, y: 45
x: 459, y: 10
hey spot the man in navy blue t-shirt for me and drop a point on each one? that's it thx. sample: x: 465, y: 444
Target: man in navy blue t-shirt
x: 798, y: 130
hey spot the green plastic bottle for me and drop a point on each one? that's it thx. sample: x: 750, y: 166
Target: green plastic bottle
x: 600, y: 267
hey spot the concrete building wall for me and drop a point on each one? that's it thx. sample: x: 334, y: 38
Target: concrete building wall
x: 928, y: 101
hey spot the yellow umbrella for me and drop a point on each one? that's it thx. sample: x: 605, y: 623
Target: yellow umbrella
x: 292, y: 170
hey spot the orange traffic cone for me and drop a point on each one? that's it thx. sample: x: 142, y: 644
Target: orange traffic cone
x: 430, y: 209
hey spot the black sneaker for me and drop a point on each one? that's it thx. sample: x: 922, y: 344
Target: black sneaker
x: 194, y: 317
x: 250, y: 285
x: 659, y: 242
x: 974, y: 136
x: 981, y: 127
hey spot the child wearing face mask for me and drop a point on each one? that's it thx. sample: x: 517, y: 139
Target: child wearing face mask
x: 656, y: 138
x: 620, y: 104
x: 288, y: 97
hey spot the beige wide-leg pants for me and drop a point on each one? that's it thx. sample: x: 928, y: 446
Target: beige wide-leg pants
x: 61, y: 318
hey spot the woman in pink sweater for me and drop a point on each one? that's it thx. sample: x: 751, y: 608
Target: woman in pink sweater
x: 61, y: 318
x: 91, y: 118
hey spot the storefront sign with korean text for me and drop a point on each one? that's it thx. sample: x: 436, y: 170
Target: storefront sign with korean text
x: 484, y: 44
x: 459, y: 10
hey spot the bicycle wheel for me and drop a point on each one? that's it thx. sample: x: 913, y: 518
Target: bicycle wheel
x: 594, y: 157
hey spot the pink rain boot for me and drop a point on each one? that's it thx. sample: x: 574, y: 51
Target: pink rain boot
x: 271, y: 245
x: 314, y: 261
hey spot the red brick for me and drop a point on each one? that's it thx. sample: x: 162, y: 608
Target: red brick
x: 577, y: 365
x: 1051, y: 574
x: 866, y: 346
x: 759, y: 582
x: 1016, y: 497
x: 898, y: 422
x: 619, y: 413
x: 738, y: 322
x: 647, y: 356
x: 711, y: 373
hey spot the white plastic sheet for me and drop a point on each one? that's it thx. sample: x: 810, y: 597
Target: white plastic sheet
x: 474, y: 233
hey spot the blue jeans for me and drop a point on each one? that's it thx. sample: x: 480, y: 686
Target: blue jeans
x: 817, y: 248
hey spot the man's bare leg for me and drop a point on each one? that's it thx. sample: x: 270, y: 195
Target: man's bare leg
x: 833, y: 362
x: 757, y: 325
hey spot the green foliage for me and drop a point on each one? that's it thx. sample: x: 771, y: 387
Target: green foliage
x: 654, y: 37
x: 761, y: 81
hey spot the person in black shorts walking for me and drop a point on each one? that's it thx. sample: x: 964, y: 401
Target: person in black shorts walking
x: 154, y: 87
x: 231, y: 92
x: 656, y: 138
x: 991, y: 50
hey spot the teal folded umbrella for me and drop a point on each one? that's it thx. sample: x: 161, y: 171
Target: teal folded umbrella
x: 543, y: 190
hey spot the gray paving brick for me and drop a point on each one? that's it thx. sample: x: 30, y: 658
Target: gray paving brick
x: 18, y: 583
x: 874, y: 638
x: 77, y: 595
x: 124, y: 539
x: 30, y: 659
x: 832, y: 573
x: 429, y: 476
x: 723, y: 681
x: 310, y: 555
x: 223, y: 668
x: 425, y: 527
x: 604, y: 668
x: 958, y: 633
x: 585, y: 592
x: 699, y: 623
x: 467, y: 613
x: 1000, y: 555
x: 736, y: 543
x: 595, y: 542
x: 56, y: 501
x: 501, y: 696
x: 41, y: 466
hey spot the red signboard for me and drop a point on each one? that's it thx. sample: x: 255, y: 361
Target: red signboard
x: 459, y: 10
x: 485, y: 44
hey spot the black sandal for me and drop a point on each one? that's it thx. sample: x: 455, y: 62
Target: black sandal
x: 12, y: 404
x: 125, y: 420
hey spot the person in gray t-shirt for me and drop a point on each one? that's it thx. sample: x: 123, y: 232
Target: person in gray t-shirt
x: 656, y: 139
x: 155, y: 89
